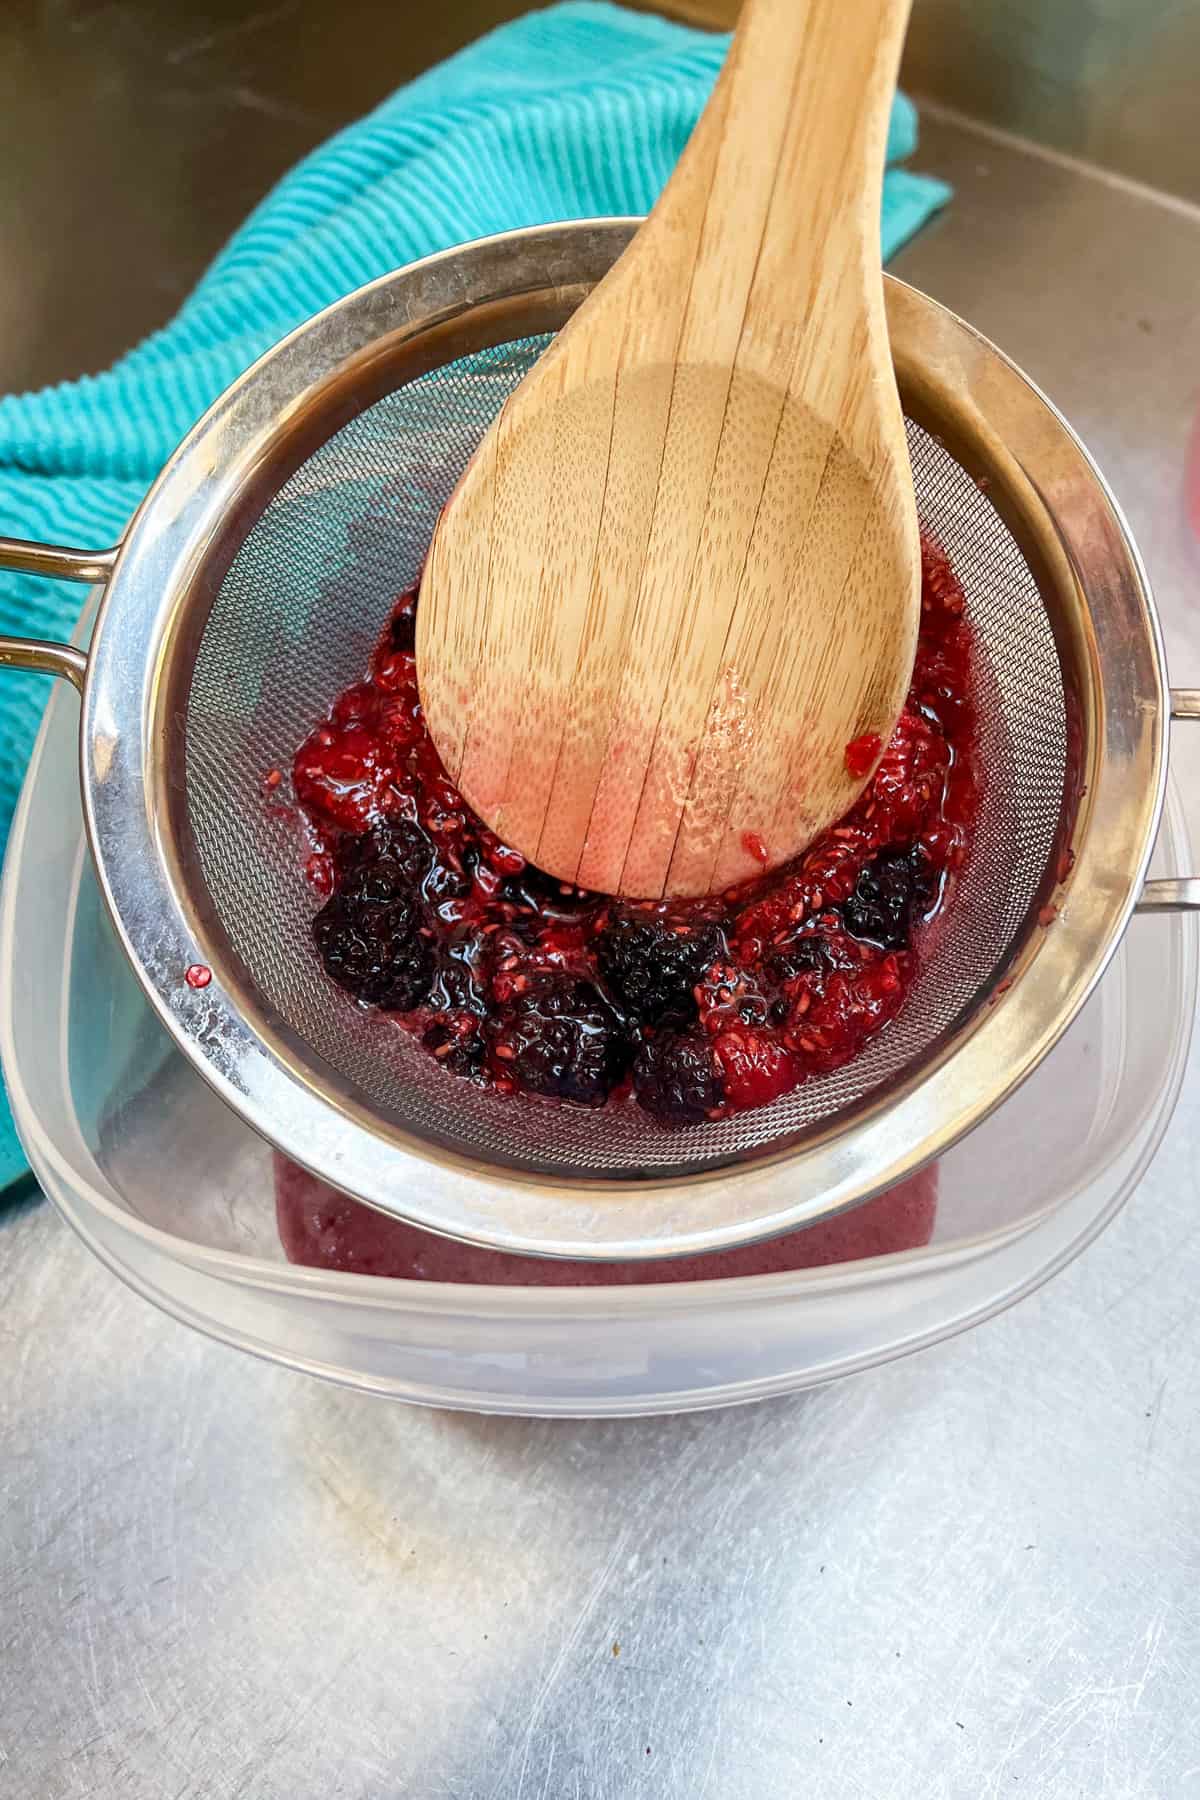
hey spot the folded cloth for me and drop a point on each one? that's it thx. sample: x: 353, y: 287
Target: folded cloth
x: 578, y: 111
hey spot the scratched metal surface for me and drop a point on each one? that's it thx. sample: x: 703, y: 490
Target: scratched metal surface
x: 135, y: 135
x: 969, y: 1575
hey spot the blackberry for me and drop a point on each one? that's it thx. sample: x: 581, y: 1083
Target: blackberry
x: 369, y: 938
x: 455, y: 987
x: 444, y: 882
x: 676, y: 1079
x: 803, y: 956
x: 560, y: 1039
x: 652, y: 967
x: 396, y: 850
x: 462, y: 1055
x: 891, y: 889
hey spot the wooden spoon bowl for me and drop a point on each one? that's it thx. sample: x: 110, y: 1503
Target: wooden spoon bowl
x: 681, y: 576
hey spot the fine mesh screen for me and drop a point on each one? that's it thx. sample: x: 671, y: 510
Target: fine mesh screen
x: 295, y: 622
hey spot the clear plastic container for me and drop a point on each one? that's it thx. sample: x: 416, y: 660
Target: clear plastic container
x: 176, y: 1196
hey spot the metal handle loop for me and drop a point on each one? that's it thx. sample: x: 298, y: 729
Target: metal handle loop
x: 1176, y: 893
x: 46, y: 658
x: 57, y: 562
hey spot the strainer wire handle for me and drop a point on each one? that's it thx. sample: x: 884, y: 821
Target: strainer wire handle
x: 1176, y: 893
x: 54, y: 561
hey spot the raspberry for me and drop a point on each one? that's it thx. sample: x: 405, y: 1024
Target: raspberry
x: 357, y: 708
x: 756, y: 1066
x: 831, y: 1020
x: 560, y: 1039
x: 340, y: 777
x: 652, y: 967
x: 862, y: 753
x: 676, y: 1079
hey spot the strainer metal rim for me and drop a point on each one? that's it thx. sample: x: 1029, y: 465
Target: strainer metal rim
x: 130, y: 750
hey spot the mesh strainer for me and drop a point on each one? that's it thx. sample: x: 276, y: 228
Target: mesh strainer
x: 251, y: 587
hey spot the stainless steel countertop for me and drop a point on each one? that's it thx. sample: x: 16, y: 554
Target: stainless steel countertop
x: 971, y: 1574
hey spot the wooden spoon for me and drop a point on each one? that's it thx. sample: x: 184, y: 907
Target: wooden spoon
x: 681, y: 575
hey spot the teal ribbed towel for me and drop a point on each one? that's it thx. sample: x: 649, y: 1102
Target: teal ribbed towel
x: 574, y: 112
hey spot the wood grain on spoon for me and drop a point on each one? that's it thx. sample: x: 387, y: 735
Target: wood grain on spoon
x: 682, y: 572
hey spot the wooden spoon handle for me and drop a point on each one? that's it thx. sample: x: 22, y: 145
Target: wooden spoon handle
x: 769, y: 233
x: 789, y: 156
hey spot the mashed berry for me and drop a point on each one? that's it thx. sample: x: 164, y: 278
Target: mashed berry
x: 694, y: 1008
